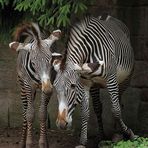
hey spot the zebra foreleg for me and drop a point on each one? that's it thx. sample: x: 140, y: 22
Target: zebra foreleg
x: 97, y: 105
x: 30, y: 116
x: 84, y: 119
x: 43, y: 141
x: 24, y: 128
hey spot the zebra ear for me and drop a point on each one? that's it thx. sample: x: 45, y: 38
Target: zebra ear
x: 56, y: 34
x: 56, y: 64
x: 16, y: 46
x: 55, y: 54
x: 56, y: 60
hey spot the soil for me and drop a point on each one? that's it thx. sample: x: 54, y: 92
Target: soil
x: 9, y: 138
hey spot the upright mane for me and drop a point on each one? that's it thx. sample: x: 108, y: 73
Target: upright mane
x: 27, y: 29
x: 80, y: 26
x: 63, y: 61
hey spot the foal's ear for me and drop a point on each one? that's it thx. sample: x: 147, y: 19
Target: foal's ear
x: 16, y: 46
x: 56, y: 60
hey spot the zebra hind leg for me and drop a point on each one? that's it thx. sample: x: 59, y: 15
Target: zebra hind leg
x: 114, y: 94
x: 122, y: 87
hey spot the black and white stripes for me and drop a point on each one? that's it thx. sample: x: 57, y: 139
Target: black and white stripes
x: 34, y: 71
x: 98, y: 52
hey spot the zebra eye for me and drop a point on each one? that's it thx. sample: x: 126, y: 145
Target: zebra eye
x: 73, y: 86
x: 32, y: 63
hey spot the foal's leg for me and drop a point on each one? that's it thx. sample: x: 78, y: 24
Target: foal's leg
x: 30, y: 93
x: 24, y: 128
x: 43, y: 141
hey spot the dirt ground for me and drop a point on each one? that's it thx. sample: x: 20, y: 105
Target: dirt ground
x: 9, y: 138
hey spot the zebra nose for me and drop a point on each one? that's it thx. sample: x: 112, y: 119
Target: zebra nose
x: 61, y: 120
x: 47, y: 87
x: 62, y: 124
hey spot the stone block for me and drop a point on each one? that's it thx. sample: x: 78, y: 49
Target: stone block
x: 130, y: 101
x: 131, y: 3
x: 140, y: 75
x: 135, y: 19
x: 140, y: 47
x: 144, y: 95
x: 143, y: 117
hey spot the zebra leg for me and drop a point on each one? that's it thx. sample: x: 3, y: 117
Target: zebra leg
x: 114, y: 94
x: 43, y: 141
x: 30, y: 115
x: 84, y: 119
x: 97, y: 105
x: 122, y: 87
x: 24, y: 128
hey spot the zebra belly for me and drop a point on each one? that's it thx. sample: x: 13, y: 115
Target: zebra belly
x: 122, y: 74
x: 88, y: 80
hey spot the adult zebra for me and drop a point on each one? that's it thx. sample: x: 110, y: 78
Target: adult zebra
x: 33, y: 69
x: 99, y: 53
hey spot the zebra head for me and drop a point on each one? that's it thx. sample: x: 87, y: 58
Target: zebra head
x: 39, y: 54
x: 66, y: 87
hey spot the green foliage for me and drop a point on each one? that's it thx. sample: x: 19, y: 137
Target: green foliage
x: 138, y: 143
x: 48, y: 13
x: 4, y: 2
x: 54, y: 12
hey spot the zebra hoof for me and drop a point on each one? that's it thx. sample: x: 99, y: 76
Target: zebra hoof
x: 130, y: 135
x: 29, y: 145
x: 43, y: 145
x: 22, y: 145
x: 117, y: 137
x: 80, y: 146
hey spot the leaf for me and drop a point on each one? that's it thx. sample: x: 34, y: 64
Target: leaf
x: 50, y: 21
x: 4, y: 2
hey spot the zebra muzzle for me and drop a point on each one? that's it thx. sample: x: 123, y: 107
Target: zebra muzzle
x: 47, y: 87
x: 61, y: 120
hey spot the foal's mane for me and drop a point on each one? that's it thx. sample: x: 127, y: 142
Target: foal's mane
x: 27, y: 29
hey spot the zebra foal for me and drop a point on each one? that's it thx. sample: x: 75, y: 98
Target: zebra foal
x: 99, y: 54
x: 34, y: 72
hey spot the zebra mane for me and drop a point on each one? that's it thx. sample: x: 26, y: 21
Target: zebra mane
x: 28, y: 30
x: 80, y: 26
x: 63, y: 61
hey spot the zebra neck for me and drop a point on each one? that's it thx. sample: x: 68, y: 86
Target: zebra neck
x: 30, y: 69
